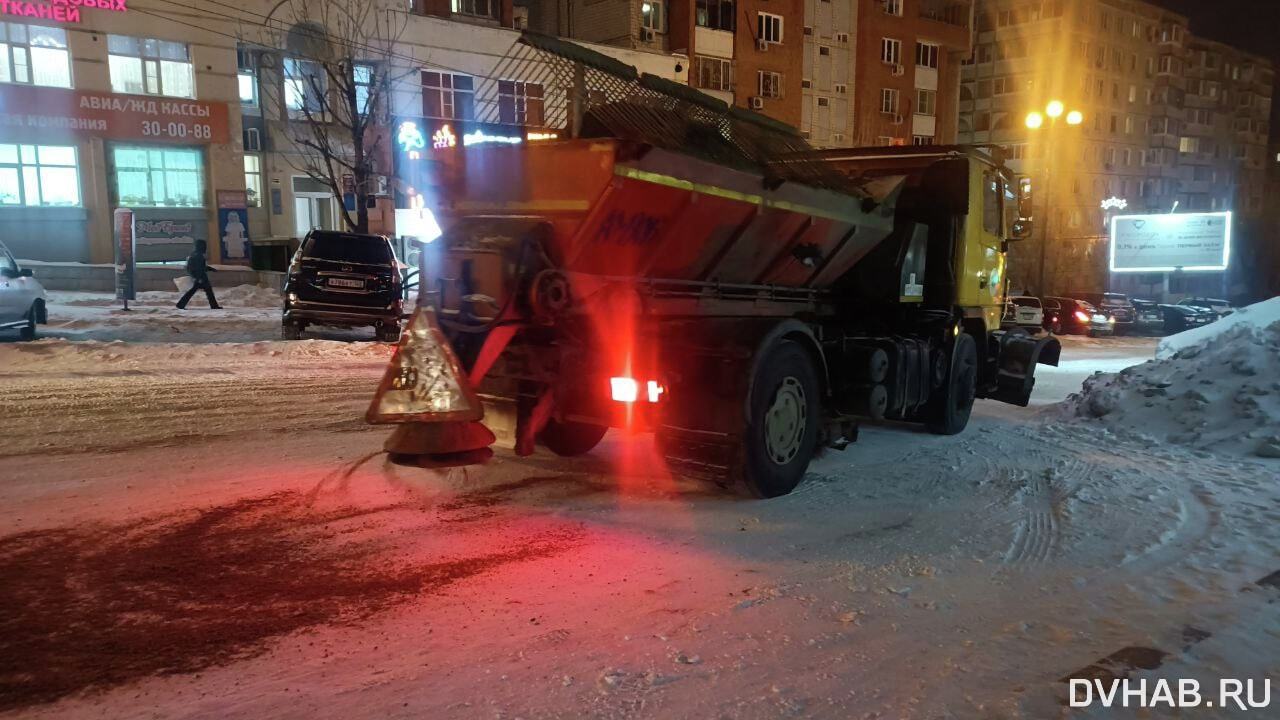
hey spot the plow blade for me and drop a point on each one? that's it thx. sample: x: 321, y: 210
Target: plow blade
x: 1019, y: 355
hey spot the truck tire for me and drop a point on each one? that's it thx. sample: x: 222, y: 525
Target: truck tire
x: 948, y: 413
x: 388, y: 333
x: 291, y: 331
x: 570, y: 439
x: 782, y: 429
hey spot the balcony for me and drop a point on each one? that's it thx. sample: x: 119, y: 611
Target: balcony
x: 951, y: 13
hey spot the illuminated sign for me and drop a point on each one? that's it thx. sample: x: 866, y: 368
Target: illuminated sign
x: 59, y: 10
x: 1115, y: 203
x: 1189, y: 242
x: 29, y: 112
x: 443, y: 138
x: 536, y: 136
x: 478, y: 137
x: 410, y: 138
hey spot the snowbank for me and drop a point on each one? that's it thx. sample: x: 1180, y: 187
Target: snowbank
x: 1258, y: 315
x: 1218, y: 390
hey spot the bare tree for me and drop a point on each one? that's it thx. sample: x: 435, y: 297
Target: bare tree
x: 334, y: 91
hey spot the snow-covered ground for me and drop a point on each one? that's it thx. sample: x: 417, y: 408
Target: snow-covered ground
x: 209, y: 531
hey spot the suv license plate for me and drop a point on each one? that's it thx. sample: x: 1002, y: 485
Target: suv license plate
x: 344, y: 282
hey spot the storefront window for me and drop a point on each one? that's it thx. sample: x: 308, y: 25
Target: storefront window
x: 253, y: 179
x: 159, y: 177
x: 39, y: 175
x: 35, y: 55
x: 145, y: 66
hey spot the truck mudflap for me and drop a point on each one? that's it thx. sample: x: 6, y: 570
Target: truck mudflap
x: 1016, y: 368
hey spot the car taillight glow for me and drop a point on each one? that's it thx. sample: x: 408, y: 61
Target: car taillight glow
x: 627, y: 390
x: 1082, y: 316
x: 624, y: 389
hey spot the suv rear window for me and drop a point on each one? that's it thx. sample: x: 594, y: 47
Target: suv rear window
x: 1115, y: 298
x: 342, y: 247
x: 1027, y: 302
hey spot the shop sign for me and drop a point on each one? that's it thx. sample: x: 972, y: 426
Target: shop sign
x: 40, y: 112
x: 58, y: 10
x: 233, y: 226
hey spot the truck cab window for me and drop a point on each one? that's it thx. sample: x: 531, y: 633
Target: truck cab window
x: 991, y: 203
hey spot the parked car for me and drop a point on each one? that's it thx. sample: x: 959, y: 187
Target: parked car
x: 1063, y: 315
x: 1150, y: 318
x: 1220, y: 308
x: 22, y: 298
x: 344, y: 280
x: 1027, y: 312
x: 1184, y: 317
x: 1113, y: 305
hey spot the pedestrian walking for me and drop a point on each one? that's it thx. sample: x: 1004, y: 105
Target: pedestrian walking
x: 199, y: 270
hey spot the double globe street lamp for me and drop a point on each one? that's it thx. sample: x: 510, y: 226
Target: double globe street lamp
x: 1037, y: 121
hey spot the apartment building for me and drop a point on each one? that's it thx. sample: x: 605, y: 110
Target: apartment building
x: 748, y: 53
x: 907, y: 70
x: 1164, y: 126
x: 830, y: 37
x: 179, y: 112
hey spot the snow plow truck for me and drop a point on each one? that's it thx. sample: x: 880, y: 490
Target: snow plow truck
x: 669, y: 264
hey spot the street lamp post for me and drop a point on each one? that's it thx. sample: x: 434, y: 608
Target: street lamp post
x: 1036, y: 121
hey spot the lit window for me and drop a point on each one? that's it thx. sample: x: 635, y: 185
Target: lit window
x: 253, y: 179
x: 248, y: 78
x: 448, y: 96
x: 146, y: 66
x: 34, y: 55
x: 362, y: 77
x: 39, y: 175
x: 477, y: 8
x: 653, y: 15
x: 159, y: 177
x: 305, y: 83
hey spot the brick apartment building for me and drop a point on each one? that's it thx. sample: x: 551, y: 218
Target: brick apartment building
x: 1167, y: 118
x: 746, y: 52
x: 907, y: 70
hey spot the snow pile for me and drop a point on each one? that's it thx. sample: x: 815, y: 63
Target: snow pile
x: 1258, y: 315
x: 1221, y: 393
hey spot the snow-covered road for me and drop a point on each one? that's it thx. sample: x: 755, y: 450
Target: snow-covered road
x: 208, y: 531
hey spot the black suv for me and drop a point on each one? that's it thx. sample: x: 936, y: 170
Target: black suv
x: 344, y: 280
x: 1114, y: 305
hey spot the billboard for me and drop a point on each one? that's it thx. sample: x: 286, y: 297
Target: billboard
x: 1188, y: 242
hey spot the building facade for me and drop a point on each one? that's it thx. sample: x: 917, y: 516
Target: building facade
x: 1169, y: 121
x: 830, y: 40
x: 183, y: 116
x: 907, y: 70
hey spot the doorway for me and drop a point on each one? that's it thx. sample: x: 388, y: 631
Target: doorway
x: 312, y: 207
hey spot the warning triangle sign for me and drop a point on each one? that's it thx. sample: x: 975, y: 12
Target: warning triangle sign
x: 424, y: 381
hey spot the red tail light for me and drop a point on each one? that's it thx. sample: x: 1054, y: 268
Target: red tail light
x: 1082, y: 316
x: 655, y: 390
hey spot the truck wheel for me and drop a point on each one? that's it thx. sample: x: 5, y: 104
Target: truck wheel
x: 388, y: 333
x: 948, y: 412
x: 291, y: 331
x: 782, y: 430
x: 570, y: 439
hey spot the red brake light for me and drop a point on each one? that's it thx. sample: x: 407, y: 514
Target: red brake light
x: 624, y: 389
x: 1081, y: 316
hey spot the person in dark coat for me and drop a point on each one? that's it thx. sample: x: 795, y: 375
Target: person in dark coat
x: 199, y: 270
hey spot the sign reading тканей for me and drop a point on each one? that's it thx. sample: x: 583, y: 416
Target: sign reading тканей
x: 57, y: 10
